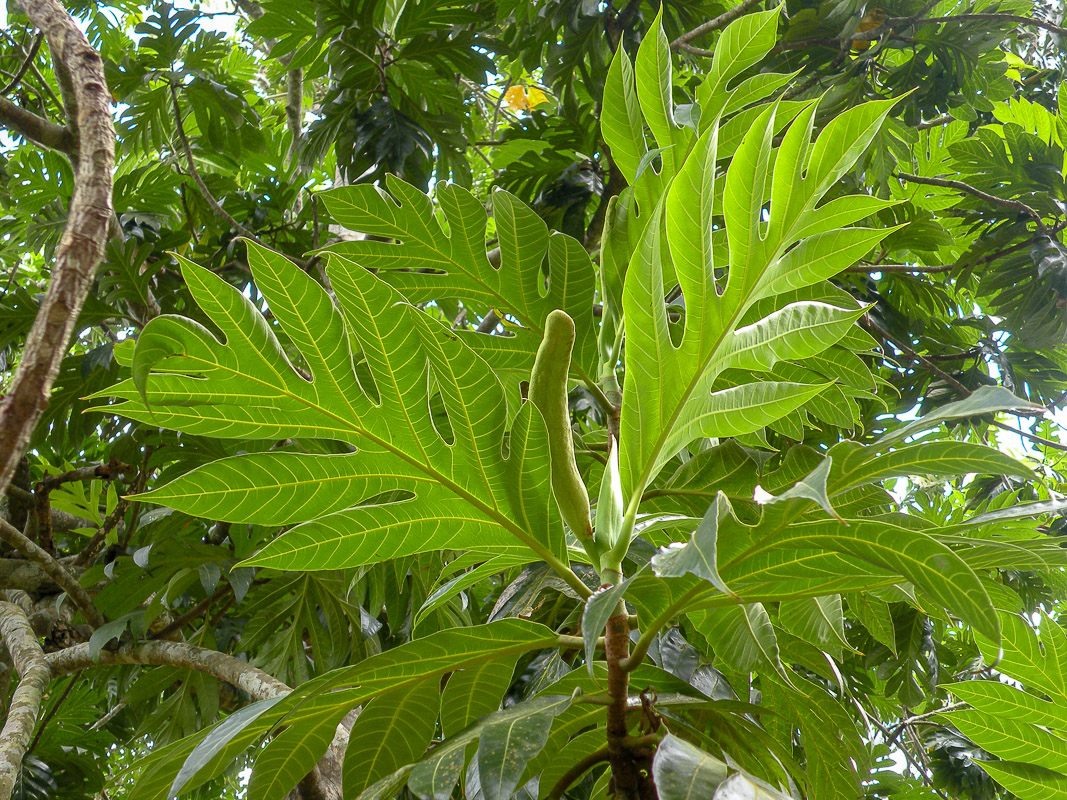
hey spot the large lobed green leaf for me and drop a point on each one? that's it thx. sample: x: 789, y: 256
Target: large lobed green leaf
x: 309, y: 714
x: 671, y: 395
x: 428, y: 261
x: 1027, y: 732
x: 457, y: 489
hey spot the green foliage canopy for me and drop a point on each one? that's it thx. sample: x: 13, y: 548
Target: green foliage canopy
x: 825, y: 497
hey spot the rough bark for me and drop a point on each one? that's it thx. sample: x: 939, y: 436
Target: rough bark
x: 34, y: 677
x: 82, y: 244
x: 56, y: 571
x: 18, y: 573
x: 258, y: 684
x: 324, y: 782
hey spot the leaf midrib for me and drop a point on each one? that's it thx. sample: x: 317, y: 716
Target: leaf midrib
x: 443, y: 480
x: 740, y: 308
x: 502, y: 302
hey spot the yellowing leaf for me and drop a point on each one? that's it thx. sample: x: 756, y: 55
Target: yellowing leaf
x: 515, y: 98
x: 521, y: 98
x: 535, y: 97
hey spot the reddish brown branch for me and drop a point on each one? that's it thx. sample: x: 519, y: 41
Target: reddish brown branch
x: 44, y: 487
x: 625, y: 777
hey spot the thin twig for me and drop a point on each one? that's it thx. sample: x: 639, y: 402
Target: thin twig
x: 179, y: 622
x: 104, y: 720
x: 1039, y: 23
x: 16, y: 79
x: 496, y: 108
x: 43, y: 84
x: 798, y: 90
x: 865, y: 268
x: 137, y: 506
x: 899, y: 728
x: 963, y: 390
x: 920, y: 773
x: 1011, y: 205
x: 720, y: 21
x: 195, y: 174
x: 1033, y: 437
x: 43, y: 724
x: 955, y: 384
x: 896, y: 23
x: 88, y: 553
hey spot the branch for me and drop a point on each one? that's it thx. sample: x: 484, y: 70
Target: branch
x: 865, y: 268
x: 648, y: 635
x: 44, y: 487
x: 899, y: 728
x: 720, y: 21
x: 258, y: 684
x: 34, y: 677
x: 92, y: 548
x: 16, y: 79
x: 195, y: 174
x: 88, y: 553
x: 895, y: 23
x: 1039, y: 23
x: 931, y: 366
x: 107, y: 470
x: 323, y: 781
x: 294, y: 109
x: 37, y: 129
x: 959, y: 387
x: 197, y: 610
x: 52, y: 711
x: 695, y: 51
x: 82, y: 245
x: 18, y: 573
x: 60, y: 519
x: 1033, y: 437
x: 944, y: 119
x: 42, y: 84
x: 64, y: 580
x: 1011, y: 205
x: 920, y: 771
